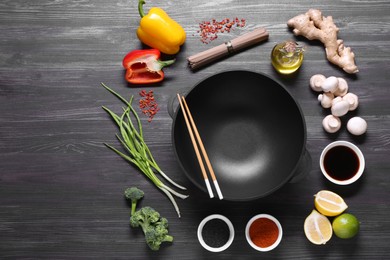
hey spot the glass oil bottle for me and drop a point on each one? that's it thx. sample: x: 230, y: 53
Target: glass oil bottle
x: 287, y: 57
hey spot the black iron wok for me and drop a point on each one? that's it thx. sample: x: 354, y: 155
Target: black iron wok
x: 252, y: 128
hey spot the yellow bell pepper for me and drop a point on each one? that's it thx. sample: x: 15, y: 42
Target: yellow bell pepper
x: 159, y: 31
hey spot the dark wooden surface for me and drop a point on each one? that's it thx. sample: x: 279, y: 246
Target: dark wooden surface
x: 61, y: 188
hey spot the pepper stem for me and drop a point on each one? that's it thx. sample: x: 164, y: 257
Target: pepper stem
x: 140, y: 8
x: 166, y: 62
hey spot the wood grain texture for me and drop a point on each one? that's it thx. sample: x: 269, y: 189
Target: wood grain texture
x: 61, y: 188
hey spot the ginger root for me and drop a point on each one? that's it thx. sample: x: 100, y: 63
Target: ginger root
x: 314, y: 26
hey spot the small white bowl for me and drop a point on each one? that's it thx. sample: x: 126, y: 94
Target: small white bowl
x: 231, y: 233
x: 275, y: 244
x: 357, y: 152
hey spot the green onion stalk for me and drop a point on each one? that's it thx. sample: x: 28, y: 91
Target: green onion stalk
x: 138, y: 152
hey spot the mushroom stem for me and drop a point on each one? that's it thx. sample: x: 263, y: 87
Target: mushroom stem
x: 331, y: 123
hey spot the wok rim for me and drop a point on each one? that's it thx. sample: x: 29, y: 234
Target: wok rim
x: 282, y: 183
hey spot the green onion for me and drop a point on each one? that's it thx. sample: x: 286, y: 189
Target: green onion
x: 138, y: 152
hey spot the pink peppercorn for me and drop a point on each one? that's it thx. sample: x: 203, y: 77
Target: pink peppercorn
x: 208, y: 30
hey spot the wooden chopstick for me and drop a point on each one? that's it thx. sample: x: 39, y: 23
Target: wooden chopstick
x: 194, y: 144
x: 191, y: 127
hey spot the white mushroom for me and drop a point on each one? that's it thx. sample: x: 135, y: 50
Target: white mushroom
x: 316, y: 82
x: 357, y: 125
x: 339, y: 108
x: 336, y: 99
x: 331, y: 123
x: 342, y: 87
x: 352, y: 100
x: 330, y: 84
x: 326, y: 99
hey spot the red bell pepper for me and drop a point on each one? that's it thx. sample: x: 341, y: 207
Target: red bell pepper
x: 144, y: 66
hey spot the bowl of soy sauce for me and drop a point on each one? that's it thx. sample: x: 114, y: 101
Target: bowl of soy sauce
x: 342, y: 162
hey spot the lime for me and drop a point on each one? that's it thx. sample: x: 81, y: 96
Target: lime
x: 345, y: 226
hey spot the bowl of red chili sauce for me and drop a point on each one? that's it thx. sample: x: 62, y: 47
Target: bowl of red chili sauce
x: 263, y: 232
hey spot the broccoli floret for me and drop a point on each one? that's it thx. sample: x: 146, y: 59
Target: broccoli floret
x: 163, y: 223
x: 155, y: 237
x: 153, y: 225
x: 133, y: 194
x: 144, y: 217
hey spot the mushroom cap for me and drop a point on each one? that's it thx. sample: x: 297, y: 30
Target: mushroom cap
x: 330, y: 84
x: 340, y: 108
x: 357, y: 125
x: 352, y: 99
x: 316, y: 82
x: 342, y: 87
x: 331, y: 123
x: 336, y: 99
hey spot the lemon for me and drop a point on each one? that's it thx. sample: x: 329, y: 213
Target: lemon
x: 329, y: 203
x: 318, y: 228
x: 346, y: 226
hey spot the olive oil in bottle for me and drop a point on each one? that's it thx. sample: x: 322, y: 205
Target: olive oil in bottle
x: 287, y: 57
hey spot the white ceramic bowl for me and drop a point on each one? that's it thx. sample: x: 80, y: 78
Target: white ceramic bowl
x: 231, y: 233
x: 357, y: 152
x: 275, y: 244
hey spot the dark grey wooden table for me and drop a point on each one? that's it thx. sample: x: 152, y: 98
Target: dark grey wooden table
x: 61, y: 189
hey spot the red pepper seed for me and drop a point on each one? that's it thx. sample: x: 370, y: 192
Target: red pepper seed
x: 148, y: 105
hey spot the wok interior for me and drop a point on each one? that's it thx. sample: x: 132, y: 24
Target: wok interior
x: 252, y: 129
